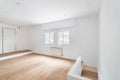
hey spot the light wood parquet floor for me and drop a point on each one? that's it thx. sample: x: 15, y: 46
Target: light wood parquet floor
x: 35, y: 67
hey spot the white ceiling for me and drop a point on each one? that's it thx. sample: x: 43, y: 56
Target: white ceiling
x: 26, y: 12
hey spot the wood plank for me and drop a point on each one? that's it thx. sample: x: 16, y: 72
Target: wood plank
x: 90, y: 72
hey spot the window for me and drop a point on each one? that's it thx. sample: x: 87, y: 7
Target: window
x: 49, y: 38
x: 57, y: 37
x: 63, y: 37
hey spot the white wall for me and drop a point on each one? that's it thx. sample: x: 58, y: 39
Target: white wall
x: 110, y: 40
x: 21, y: 36
x: 84, y: 39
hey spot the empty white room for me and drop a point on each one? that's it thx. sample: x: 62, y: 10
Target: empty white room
x: 59, y: 39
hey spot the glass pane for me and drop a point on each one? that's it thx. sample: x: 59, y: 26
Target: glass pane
x: 60, y: 38
x: 47, y: 38
x: 51, y: 37
x: 66, y: 37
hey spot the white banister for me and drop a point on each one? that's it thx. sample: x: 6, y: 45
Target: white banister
x: 76, y: 70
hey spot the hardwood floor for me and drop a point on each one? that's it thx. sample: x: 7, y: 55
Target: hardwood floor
x: 35, y: 67
x: 90, y: 72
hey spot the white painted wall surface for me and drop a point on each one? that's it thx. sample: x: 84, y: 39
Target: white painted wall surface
x: 22, y: 38
x: 84, y: 40
x: 110, y: 40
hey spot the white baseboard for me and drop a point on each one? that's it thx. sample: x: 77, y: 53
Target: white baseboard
x: 54, y: 56
x: 60, y: 57
x: 48, y: 54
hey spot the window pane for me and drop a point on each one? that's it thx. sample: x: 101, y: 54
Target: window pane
x: 63, y: 37
x: 49, y: 38
x: 46, y: 38
x: 66, y: 37
x: 60, y: 38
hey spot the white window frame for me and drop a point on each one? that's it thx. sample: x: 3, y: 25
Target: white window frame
x: 62, y: 31
x: 56, y: 39
x: 49, y: 41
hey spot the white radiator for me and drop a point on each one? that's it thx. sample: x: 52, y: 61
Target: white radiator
x: 56, y: 51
